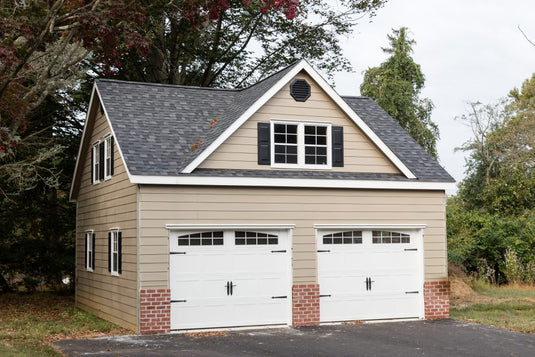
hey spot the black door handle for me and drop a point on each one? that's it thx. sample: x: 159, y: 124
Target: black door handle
x: 228, y: 288
x: 231, y: 287
x: 369, y: 282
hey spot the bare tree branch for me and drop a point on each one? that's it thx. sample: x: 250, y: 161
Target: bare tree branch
x: 526, y: 37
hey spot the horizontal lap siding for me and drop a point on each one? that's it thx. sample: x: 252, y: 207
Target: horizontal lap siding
x: 109, y: 204
x: 240, y: 152
x: 161, y: 205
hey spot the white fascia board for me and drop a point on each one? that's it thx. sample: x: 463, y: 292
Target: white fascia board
x: 284, y: 182
x: 302, y: 65
x: 230, y: 226
x: 84, y: 132
x: 369, y: 226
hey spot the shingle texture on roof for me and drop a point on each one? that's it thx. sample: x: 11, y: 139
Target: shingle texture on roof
x: 162, y: 128
x: 421, y: 164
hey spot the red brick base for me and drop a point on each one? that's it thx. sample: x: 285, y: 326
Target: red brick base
x: 155, y: 311
x: 437, y: 299
x: 305, y: 304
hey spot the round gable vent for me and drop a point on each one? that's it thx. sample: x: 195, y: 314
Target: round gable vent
x: 300, y: 90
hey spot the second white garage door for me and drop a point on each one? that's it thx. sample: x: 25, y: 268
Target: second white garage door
x: 370, y: 274
x: 224, y: 278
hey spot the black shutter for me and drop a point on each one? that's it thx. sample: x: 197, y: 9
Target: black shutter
x: 101, y: 161
x: 93, y: 255
x: 85, y: 250
x: 264, y: 144
x: 92, y: 164
x: 112, y: 142
x: 109, y: 252
x: 120, y: 252
x: 338, y: 146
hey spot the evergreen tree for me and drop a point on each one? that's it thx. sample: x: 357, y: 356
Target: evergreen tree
x: 396, y: 85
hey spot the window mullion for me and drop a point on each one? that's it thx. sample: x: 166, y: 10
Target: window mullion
x: 300, y: 144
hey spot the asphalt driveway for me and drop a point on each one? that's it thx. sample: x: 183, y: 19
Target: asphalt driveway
x: 446, y: 338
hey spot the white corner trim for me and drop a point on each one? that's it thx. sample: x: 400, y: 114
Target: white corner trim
x: 285, y: 182
x: 302, y: 65
x: 174, y: 227
x: 369, y: 226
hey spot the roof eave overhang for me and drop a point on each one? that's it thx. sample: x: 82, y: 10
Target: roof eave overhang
x: 187, y: 180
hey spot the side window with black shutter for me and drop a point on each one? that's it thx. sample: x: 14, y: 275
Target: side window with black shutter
x: 264, y: 144
x: 338, y: 146
x: 101, y: 161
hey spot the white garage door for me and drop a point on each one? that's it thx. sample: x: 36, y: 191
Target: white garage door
x: 229, y: 278
x: 370, y: 274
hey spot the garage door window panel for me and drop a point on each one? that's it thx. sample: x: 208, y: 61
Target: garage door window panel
x: 346, y: 237
x: 386, y: 237
x: 201, y: 239
x: 255, y: 238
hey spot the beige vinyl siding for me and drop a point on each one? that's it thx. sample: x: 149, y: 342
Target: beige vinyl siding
x: 161, y: 205
x: 240, y: 150
x: 110, y: 204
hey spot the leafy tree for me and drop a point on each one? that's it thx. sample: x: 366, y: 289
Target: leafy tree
x: 500, y: 176
x: 491, y: 221
x: 244, y: 43
x: 396, y: 85
x: 49, y: 52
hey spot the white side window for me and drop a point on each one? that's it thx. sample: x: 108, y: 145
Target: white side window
x: 89, y: 250
x: 108, y: 157
x: 301, y: 145
x: 96, y: 163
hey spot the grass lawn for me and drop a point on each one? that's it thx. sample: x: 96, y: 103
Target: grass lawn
x: 510, y: 307
x: 28, y: 323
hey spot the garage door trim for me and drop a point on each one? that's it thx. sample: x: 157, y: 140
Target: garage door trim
x: 418, y: 233
x: 176, y: 229
x: 229, y: 227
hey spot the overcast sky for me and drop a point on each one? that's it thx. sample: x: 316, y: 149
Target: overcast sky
x: 469, y: 50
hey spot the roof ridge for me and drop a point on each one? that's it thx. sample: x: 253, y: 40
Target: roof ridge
x: 165, y: 85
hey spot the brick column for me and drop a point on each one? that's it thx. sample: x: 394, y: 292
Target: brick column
x: 154, y: 311
x: 305, y: 305
x: 437, y: 299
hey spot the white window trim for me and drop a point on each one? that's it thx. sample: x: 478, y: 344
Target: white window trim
x: 96, y: 160
x: 89, y: 257
x: 301, y: 145
x: 114, y: 239
x: 107, y: 168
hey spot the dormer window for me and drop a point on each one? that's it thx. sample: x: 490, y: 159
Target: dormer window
x: 301, y: 145
x: 289, y: 144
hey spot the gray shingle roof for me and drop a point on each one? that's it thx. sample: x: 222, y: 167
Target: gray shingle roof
x: 421, y: 164
x: 156, y: 127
